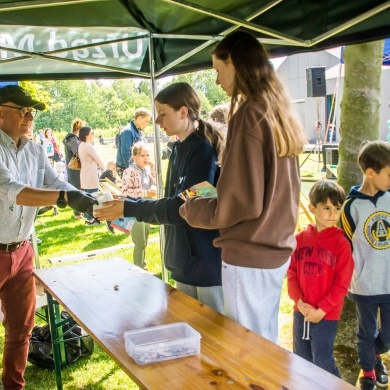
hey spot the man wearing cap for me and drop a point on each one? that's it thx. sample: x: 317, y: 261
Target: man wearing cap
x: 129, y: 136
x: 27, y: 181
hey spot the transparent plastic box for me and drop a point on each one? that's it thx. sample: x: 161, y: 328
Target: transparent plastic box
x: 164, y: 342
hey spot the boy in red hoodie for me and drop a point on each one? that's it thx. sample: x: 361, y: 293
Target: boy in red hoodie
x: 318, y: 277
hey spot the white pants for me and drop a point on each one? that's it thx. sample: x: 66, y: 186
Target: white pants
x: 210, y: 296
x: 252, y: 297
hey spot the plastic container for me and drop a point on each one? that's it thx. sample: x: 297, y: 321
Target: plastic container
x: 159, y: 343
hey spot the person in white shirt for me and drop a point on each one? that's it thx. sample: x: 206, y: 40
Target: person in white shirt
x: 27, y: 181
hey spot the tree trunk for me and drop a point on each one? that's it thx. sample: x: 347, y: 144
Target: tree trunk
x: 359, y: 107
x: 360, y: 113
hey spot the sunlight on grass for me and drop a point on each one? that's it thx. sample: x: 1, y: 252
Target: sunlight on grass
x: 95, y: 372
x: 63, y: 235
x: 285, y: 318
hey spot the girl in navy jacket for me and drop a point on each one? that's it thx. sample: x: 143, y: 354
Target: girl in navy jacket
x: 189, y: 253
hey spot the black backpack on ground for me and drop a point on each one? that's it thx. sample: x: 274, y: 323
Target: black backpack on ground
x: 40, y: 352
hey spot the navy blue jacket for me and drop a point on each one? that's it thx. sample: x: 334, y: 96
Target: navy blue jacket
x: 127, y: 138
x: 189, y: 253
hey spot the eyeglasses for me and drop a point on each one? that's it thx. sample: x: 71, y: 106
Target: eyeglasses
x: 24, y: 111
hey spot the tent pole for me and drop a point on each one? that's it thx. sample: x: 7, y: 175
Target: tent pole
x: 157, y: 150
x: 329, y: 117
x: 334, y: 108
x: 337, y: 104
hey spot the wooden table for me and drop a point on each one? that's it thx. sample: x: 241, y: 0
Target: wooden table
x: 232, y: 357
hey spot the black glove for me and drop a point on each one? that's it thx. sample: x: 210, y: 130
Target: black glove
x: 80, y: 201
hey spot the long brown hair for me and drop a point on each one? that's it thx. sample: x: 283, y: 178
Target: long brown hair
x: 256, y: 79
x: 179, y: 95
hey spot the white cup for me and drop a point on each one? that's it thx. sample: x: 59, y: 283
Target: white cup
x: 105, y: 197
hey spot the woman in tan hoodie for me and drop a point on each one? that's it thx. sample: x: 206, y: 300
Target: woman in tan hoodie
x: 258, y: 190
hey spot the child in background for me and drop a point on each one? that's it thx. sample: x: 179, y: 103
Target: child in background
x: 318, y: 277
x: 139, y: 181
x: 60, y: 169
x: 48, y: 145
x: 366, y: 222
x: 110, y: 172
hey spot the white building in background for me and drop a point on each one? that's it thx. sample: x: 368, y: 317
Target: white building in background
x: 292, y: 72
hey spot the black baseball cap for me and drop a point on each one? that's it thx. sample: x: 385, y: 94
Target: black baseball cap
x: 17, y: 95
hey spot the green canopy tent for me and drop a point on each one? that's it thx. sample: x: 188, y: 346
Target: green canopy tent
x: 70, y: 39
x: 86, y: 39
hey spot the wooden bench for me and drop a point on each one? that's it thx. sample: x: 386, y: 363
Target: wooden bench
x: 110, y: 297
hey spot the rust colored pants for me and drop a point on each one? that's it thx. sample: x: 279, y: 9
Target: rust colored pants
x: 17, y: 294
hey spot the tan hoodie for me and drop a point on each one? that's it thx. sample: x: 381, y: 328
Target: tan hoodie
x: 258, y: 193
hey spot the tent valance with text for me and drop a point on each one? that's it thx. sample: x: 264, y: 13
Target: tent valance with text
x: 111, y: 38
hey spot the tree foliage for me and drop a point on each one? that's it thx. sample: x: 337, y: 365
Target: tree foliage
x: 103, y: 105
x: 109, y: 104
x: 204, y: 83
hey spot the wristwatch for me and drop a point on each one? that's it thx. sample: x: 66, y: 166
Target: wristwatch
x: 61, y: 202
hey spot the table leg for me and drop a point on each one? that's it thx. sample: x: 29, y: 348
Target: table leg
x: 59, y: 355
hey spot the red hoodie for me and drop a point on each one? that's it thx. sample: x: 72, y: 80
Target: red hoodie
x: 321, y: 270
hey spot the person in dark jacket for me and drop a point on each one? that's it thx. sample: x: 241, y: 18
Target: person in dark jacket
x: 110, y: 172
x: 131, y: 134
x: 189, y: 253
x: 71, y: 143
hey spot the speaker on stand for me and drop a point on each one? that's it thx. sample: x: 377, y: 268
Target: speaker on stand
x: 316, y: 87
x: 316, y: 83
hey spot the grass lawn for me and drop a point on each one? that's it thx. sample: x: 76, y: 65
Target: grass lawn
x: 63, y: 235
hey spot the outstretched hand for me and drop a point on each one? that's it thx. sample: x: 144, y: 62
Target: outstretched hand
x: 80, y: 201
x: 111, y: 210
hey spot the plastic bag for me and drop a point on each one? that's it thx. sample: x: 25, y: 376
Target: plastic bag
x: 40, y: 352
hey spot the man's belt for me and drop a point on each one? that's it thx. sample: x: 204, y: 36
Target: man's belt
x: 13, y: 246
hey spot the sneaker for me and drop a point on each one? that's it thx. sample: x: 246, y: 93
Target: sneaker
x: 43, y: 210
x: 38, y: 240
x: 382, y: 378
x: 92, y: 222
x: 367, y: 383
x: 109, y: 227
